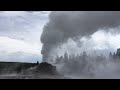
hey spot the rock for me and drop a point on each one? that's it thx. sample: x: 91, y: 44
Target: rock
x: 46, y: 68
x: 42, y: 68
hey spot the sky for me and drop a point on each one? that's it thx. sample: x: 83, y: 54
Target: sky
x: 77, y: 31
x: 20, y: 33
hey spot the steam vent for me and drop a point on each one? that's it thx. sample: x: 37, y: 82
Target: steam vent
x: 42, y: 68
x: 46, y: 68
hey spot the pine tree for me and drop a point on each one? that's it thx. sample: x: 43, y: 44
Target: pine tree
x: 57, y: 60
x: 70, y: 57
x: 37, y: 62
x: 61, y: 59
x: 84, y: 55
x: 65, y: 57
x: 118, y: 52
x: 110, y: 55
x: 114, y: 56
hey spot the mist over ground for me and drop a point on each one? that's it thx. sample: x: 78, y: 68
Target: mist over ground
x: 73, y: 44
x: 73, y: 32
x: 77, y: 25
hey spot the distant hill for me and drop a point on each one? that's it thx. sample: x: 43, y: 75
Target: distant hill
x: 20, y: 57
x: 14, y: 67
x: 17, y: 70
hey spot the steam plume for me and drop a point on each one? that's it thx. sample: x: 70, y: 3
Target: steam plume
x: 63, y: 25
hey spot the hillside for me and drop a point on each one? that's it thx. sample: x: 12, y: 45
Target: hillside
x: 16, y: 70
x: 14, y: 67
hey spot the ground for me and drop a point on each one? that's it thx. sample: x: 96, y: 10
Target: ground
x: 43, y: 70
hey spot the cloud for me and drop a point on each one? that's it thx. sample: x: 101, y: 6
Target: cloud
x: 20, y: 21
x: 97, y: 43
x: 63, y: 25
x: 19, y: 57
x: 18, y: 50
x: 23, y: 13
x: 14, y: 45
x: 20, y: 32
x: 18, y: 24
x: 12, y: 13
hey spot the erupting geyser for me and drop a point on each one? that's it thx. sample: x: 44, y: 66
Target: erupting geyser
x: 63, y: 25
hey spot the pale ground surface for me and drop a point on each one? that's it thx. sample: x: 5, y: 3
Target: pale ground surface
x: 13, y: 76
